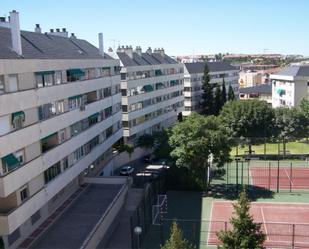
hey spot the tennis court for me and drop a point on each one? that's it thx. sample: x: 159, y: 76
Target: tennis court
x: 281, y: 178
x: 285, y: 224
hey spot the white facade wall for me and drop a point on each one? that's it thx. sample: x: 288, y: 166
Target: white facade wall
x: 194, y: 83
x: 27, y: 139
x: 164, y: 120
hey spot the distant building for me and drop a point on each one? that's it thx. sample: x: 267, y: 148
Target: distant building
x: 152, y: 91
x: 193, y: 76
x: 290, y: 86
x: 262, y: 92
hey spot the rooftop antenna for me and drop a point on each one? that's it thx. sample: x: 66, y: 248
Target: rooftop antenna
x: 114, y: 43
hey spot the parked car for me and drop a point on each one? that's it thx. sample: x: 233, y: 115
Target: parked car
x: 126, y: 170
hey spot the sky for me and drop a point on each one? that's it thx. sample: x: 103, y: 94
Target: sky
x: 181, y: 27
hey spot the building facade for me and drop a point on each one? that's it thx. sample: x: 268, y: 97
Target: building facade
x: 261, y: 92
x: 60, y: 114
x: 193, y: 77
x: 290, y: 86
x: 152, y: 91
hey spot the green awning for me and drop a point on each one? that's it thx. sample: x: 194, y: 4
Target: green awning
x: 75, y: 97
x: 45, y: 72
x: 18, y: 114
x: 158, y: 72
x: 11, y: 161
x: 75, y: 72
x: 173, y: 82
x: 47, y: 137
x: 147, y: 88
x: 159, y: 85
x: 280, y: 91
x: 106, y: 68
x: 94, y: 116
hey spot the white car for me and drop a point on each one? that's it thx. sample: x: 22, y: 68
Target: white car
x: 126, y: 170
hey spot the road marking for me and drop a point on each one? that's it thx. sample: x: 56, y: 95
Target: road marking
x: 209, y: 226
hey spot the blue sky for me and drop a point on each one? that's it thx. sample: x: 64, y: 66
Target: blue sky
x: 180, y: 26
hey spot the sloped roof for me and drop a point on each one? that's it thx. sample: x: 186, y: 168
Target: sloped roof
x: 262, y: 89
x: 301, y: 70
x: 144, y: 59
x: 219, y: 66
x: 44, y: 46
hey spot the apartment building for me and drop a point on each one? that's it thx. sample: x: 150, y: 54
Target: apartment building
x: 193, y: 77
x: 290, y: 86
x: 60, y: 114
x: 261, y: 92
x: 152, y: 91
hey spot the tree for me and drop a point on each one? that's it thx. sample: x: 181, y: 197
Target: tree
x: 248, y: 119
x: 244, y: 233
x: 129, y: 148
x: 290, y: 124
x: 218, y: 103
x: 176, y: 240
x: 304, y: 107
x: 161, y: 147
x: 145, y: 141
x: 194, y: 140
x: 207, y: 102
x: 223, y: 92
x: 230, y: 94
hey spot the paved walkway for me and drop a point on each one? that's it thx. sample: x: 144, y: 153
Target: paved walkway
x: 50, y: 220
x: 121, y: 238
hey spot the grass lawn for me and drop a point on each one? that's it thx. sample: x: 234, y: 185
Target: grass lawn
x: 297, y: 147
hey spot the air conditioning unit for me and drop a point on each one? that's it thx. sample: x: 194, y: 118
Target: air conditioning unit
x: 82, y: 108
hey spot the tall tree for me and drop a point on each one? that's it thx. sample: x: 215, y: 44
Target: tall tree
x: 218, y: 102
x: 248, y: 119
x: 244, y: 233
x: 176, y: 240
x: 304, y: 107
x: 230, y: 94
x: 290, y: 124
x: 207, y: 102
x: 224, y: 99
x: 194, y: 140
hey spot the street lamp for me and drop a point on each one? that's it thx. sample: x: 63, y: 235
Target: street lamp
x: 138, y: 230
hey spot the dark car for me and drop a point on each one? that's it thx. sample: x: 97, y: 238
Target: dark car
x: 126, y: 170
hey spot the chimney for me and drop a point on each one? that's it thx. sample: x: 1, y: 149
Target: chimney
x: 59, y: 32
x: 51, y: 30
x: 149, y: 50
x: 129, y: 51
x: 138, y: 50
x: 110, y: 50
x: 37, y: 29
x: 101, y: 44
x: 73, y: 35
x: 15, y: 32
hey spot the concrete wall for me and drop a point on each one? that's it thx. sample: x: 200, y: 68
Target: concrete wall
x: 106, y: 220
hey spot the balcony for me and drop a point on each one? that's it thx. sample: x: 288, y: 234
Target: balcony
x: 49, y: 142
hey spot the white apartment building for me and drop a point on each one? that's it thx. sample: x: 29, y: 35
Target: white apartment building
x: 290, y: 86
x: 152, y: 91
x: 60, y: 114
x: 193, y: 77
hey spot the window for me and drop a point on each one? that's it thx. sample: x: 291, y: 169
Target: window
x: 108, y: 112
x: 65, y: 163
x: 107, y: 92
x: 1, y: 84
x: 23, y: 194
x: 109, y: 131
x: 123, y: 76
x: 125, y: 108
x: 13, y: 236
x: 76, y: 128
x: 124, y: 92
x: 75, y: 75
x: 52, y: 172
x: 18, y: 118
x: 13, y: 82
x: 47, y: 110
x: 75, y: 102
x: 20, y: 156
x: 60, y: 106
x: 106, y: 71
x: 58, y: 77
x: 44, y: 78
x: 62, y: 136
